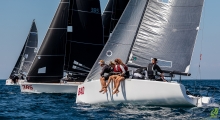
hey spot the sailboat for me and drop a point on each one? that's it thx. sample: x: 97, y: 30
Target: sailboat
x: 26, y: 56
x: 162, y: 29
x: 71, y: 46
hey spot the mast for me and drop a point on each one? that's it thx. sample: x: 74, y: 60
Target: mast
x: 48, y: 63
x: 28, y: 52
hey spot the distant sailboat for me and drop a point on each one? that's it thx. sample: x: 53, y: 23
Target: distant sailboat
x: 26, y: 56
x: 149, y: 29
x: 72, y: 44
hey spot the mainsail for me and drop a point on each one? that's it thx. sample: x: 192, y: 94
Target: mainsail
x: 72, y: 44
x: 168, y: 32
x: 85, y: 41
x: 111, y: 15
x: 48, y: 63
x: 28, y: 52
x: 165, y: 30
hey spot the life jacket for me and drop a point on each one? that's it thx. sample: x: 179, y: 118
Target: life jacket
x: 150, y: 70
x: 117, y: 69
x: 125, y: 67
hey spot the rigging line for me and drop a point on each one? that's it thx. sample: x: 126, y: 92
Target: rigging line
x: 203, y: 24
x: 110, y: 25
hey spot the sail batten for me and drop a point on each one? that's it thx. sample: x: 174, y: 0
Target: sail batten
x: 86, y: 11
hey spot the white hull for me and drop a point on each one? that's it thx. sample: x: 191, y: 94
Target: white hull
x: 10, y: 82
x: 69, y: 87
x: 140, y: 91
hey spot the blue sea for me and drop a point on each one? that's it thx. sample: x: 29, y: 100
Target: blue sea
x: 17, y: 105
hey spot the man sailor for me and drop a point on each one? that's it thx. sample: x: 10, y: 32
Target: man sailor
x: 15, y: 79
x: 152, y: 70
x: 106, y: 69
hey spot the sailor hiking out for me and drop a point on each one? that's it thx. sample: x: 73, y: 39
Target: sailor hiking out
x: 119, y: 73
x: 105, y: 73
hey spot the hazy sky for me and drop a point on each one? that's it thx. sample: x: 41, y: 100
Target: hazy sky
x: 16, y: 17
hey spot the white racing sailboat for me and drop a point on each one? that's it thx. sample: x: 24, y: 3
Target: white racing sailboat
x: 25, y: 58
x: 68, y: 48
x: 149, y: 29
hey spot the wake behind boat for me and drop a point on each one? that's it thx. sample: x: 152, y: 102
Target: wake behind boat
x: 150, y: 29
x: 67, y: 49
x: 25, y: 59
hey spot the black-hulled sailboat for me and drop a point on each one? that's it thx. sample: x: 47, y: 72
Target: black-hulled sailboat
x: 72, y: 43
x: 149, y: 29
x: 26, y: 57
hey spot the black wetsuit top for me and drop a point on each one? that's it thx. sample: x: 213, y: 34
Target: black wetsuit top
x: 150, y: 72
x: 105, y: 69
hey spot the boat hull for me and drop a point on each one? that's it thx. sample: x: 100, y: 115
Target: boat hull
x: 10, y: 82
x: 69, y: 87
x: 137, y: 91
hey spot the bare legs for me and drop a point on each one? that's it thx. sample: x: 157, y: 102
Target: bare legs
x: 118, y: 80
x: 112, y: 77
x: 103, y: 84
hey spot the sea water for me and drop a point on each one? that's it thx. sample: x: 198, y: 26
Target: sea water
x: 17, y: 105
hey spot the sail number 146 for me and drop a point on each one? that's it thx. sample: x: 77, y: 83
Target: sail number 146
x: 28, y: 87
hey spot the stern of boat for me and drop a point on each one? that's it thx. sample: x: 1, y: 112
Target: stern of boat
x: 204, y: 101
x: 10, y: 82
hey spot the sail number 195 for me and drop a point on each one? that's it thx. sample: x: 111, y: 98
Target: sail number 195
x: 95, y: 10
